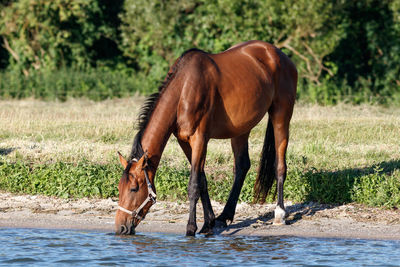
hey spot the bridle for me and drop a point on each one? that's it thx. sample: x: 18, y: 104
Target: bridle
x: 150, y: 197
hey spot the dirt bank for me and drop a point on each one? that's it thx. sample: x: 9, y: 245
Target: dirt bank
x: 309, y: 219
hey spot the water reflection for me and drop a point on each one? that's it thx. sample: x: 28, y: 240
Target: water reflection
x: 19, y: 247
x: 213, y: 249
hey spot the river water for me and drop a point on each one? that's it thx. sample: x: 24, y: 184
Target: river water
x: 41, y: 247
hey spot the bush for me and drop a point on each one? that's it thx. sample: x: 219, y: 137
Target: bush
x: 92, y: 83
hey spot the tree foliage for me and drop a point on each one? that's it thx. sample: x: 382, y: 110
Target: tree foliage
x: 344, y: 49
x: 47, y: 34
x: 367, y: 56
x: 158, y: 31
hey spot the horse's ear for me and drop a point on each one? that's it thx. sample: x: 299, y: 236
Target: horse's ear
x: 145, y: 160
x: 122, y: 160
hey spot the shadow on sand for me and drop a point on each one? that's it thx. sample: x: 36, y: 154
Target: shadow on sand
x: 325, y: 187
x: 295, y: 213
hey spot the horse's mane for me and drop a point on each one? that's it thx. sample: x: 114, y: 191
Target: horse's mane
x: 149, y: 105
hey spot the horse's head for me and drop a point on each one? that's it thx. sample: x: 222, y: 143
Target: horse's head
x: 136, y: 195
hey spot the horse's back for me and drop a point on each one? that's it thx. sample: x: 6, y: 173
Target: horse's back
x: 256, y: 64
x: 235, y: 88
x: 250, y: 81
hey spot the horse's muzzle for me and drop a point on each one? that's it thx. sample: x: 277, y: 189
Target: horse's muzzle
x: 125, y: 230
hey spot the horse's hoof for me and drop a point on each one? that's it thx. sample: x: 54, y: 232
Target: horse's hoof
x: 280, y: 215
x: 220, y: 223
x: 191, y: 230
x: 279, y: 222
x: 206, y: 230
x: 190, y: 233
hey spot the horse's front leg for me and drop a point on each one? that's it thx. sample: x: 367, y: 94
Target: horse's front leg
x: 209, y: 217
x: 193, y: 194
x: 198, y: 187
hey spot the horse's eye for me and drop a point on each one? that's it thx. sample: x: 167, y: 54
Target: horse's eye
x: 135, y: 189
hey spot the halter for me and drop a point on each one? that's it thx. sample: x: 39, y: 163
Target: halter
x: 151, y: 197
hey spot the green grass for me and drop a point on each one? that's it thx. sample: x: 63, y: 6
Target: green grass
x: 92, y: 83
x: 59, y: 179
x: 372, y: 186
x: 337, y: 154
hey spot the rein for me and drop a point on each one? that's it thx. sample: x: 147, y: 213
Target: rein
x: 151, y: 197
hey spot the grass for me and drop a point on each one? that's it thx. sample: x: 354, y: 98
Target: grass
x: 66, y: 83
x: 336, y: 154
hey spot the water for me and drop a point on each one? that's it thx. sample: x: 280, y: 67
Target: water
x: 39, y: 247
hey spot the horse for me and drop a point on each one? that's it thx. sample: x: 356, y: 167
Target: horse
x: 217, y: 96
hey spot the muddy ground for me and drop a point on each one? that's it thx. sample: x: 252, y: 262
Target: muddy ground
x: 305, y: 219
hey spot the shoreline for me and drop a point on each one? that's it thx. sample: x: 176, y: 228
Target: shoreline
x: 304, y: 220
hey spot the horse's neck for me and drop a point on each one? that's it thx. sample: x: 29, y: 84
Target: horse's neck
x: 160, y: 126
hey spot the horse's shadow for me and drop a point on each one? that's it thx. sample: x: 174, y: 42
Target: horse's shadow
x: 295, y: 213
x: 322, y: 181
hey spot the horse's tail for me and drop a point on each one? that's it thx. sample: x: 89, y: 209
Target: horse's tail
x: 266, y: 169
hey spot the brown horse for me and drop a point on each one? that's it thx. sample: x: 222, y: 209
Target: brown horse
x: 208, y: 96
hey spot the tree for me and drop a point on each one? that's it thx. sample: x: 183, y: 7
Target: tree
x: 156, y: 32
x: 368, y: 54
x: 47, y: 34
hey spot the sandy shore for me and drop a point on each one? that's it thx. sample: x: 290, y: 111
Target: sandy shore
x: 307, y: 220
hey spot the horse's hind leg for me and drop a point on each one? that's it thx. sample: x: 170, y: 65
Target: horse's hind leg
x: 242, y: 165
x: 280, y: 120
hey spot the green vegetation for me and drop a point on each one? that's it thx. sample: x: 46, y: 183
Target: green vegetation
x: 95, y: 84
x: 336, y: 154
x: 345, y: 51
x: 371, y: 186
x: 60, y: 179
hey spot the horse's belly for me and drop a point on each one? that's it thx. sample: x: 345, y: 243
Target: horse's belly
x: 237, y: 117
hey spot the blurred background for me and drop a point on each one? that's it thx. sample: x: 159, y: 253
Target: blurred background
x: 345, y: 50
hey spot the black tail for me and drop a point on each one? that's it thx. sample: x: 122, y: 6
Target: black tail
x: 266, y: 170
